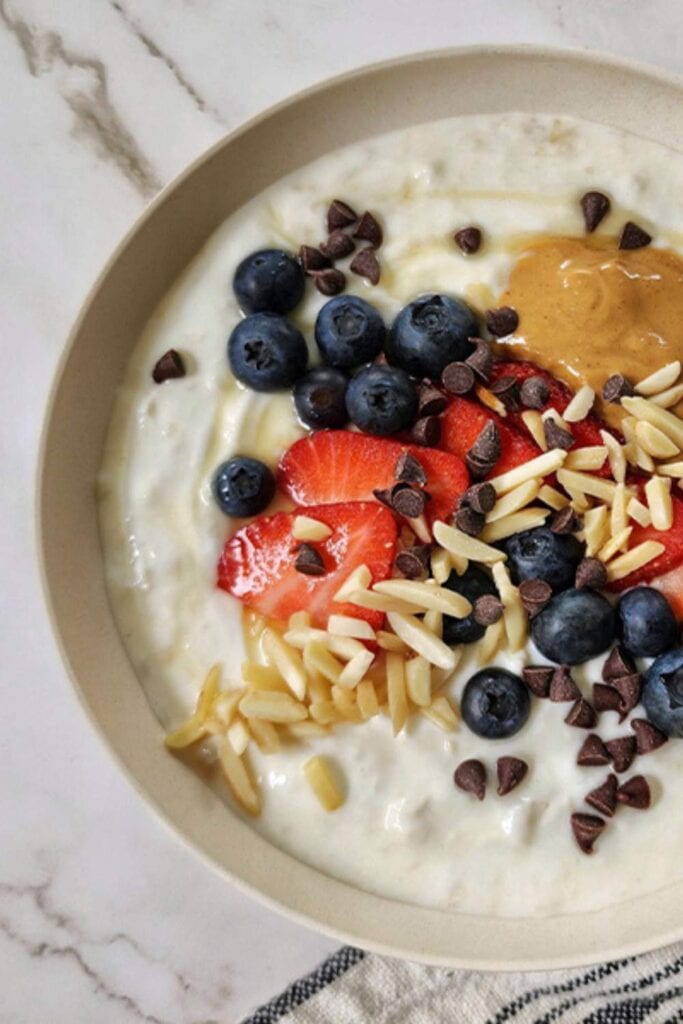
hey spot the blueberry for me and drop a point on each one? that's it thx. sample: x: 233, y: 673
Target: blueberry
x: 349, y: 332
x: 266, y: 352
x: 243, y: 486
x: 575, y: 626
x: 381, y: 400
x: 495, y: 703
x: 430, y: 333
x: 647, y: 625
x: 540, y: 554
x: 320, y: 398
x: 472, y: 584
x: 268, y: 281
x: 663, y: 693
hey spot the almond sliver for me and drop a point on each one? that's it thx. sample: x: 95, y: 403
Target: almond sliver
x: 596, y: 527
x: 286, y: 660
x: 590, y: 457
x: 306, y: 528
x: 674, y: 469
x: 238, y: 736
x: 272, y: 706
x: 552, y: 497
x: 390, y: 642
x: 491, y: 642
x: 580, y: 405
x: 658, y: 494
x: 426, y: 596
x: 382, y: 602
x: 615, y: 544
x: 321, y: 779
x: 541, y: 466
x: 359, y: 579
x: 639, y: 512
x: 317, y: 656
x: 526, y: 519
x: 346, y: 625
x: 514, y: 615
x: 237, y: 775
x: 533, y: 422
x: 584, y: 483
x: 366, y: 698
x: 634, y: 559
x: 195, y: 727
x: 419, y: 681
x: 440, y: 564
x: 618, y: 514
x: 616, y: 456
x: 655, y: 442
x: 416, y: 635
x: 354, y: 670
x: 660, y: 380
x: 672, y: 396
x: 514, y: 500
x: 460, y: 544
x: 265, y: 734
x: 666, y: 421
x: 396, y: 692
x: 442, y: 713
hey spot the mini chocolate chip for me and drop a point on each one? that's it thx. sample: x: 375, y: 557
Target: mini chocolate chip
x: 538, y: 678
x: 595, y: 206
x: 426, y: 431
x: 340, y: 215
x: 648, y: 738
x: 633, y: 236
x: 469, y: 521
x: 383, y: 494
x: 593, y: 752
x: 330, y: 281
x: 481, y: 497
x: 628, y: 688
x: 635, y: 792
x: 309, y: 561
x: 617, y: 387
x: 312, y: 259
x: 481, y: 360
x: 586, y: 829
x: 338, y: 245
x: 617, y: 664
x: 534, y: 595
x: 606, y: 698
x: 408, y: 502
x: 502, y: 321
x: 506, y: 389
x: 409, y: 470
x: 458, y: 378
x: 366, y: 264
x: 604, y: 798
x: 562, y: 686
x: 590, y: 573
x: 565, y: 521
x: 511, y: 771
x: 486, y: 449
x: 470, y: 776
x: 369, y: 230
x: 487, y: 609
x: 534, y: 393
x: 169, y: 367
x: 581, y: 715
x: 478, y: 468
x: 430, y: 402
x: 468, y: 240
x: 622, y: 751
x: 413, y: 563
x: 556, y: 436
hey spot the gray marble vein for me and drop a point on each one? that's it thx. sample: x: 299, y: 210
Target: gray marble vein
x: 96, y: 119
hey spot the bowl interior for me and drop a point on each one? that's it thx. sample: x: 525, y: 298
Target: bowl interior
x: 159, y: 246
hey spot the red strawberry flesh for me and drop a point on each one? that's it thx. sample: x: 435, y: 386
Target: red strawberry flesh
x: 670, y: 558
x: 462, y: 424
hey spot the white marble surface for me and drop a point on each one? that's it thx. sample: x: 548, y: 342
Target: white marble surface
x: 103, y: 916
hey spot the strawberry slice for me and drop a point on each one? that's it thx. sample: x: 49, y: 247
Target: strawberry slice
x: 257, y: 563
x: 462, y: 424
x: 671, y: 585
x: 670, y: 558
x: 342, y: 465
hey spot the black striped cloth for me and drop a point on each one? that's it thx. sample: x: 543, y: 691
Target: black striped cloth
x: 352, y: 987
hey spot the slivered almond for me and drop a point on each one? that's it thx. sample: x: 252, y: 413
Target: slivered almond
x: 262, y: 677
x: 514, y: 500
x: 618, y: 514
x: 654, y: 441
x: 672, y: 396
x: 440, y: 564
x: 320, y: 777
x: 541, y: 466
x: 286, y: 660
x: 584, y: 483
x: 442, y: 713
x: 663, y: 378
x: 460, y: 544
x: 272, y: 706
x: 324, y: 711
x: 637, y: 457
x: 674, y: 469
x: 239, y: 781
x: 578, y: 501
x: 491, y: 642
x: 634, y: 559
x: 355, y: 669
x: 433, y: 621
x: 426, y: 596
x: 396, y: 692
x: 299, y: 620
x: 590, y: 457
x: 596, y: 524
x: 390, y: 642
x: 238, y: 736
x: 306, y: 730
x: 344, y: 647
x: 224, y: 706
x: 419, y: 681
x: 416, y: 635
x: 346, y: 625
x: 382, y: 602
x: 658, y: 494
x: 304, y: 635
x: 553, y: 414
x: 628, y: 428
x: 317, y: 656
x: 306, y: 528
x: 514, y: 616
x: 534, y: 424
x: 616, y: 456
x: 580, y: 405
x: 526, y: 519
x: 421, y: 529
x: 615, y: 544
x: 195, y: 727
x: 345, y: 703
x: 666, y: 421
x: 552, y: 497
x: 639, y: 512
x: 366, y: 698
x: 265, y: 735
x: 491, y: 402
x: 359, y: 579
x: 318, y: 686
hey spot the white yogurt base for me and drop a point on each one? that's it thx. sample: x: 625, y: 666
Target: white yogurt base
x: 404, y: 831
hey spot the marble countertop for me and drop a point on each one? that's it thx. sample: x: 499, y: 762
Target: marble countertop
x: 103, y: 915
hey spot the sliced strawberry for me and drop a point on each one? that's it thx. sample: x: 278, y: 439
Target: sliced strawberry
x: 342, y: 465
x: 462, y: 424
x: 670, y: 558
x: 671, y: 585
x: 257, y: 563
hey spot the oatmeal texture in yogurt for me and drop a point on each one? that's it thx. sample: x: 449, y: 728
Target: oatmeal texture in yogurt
x: 404, y: 830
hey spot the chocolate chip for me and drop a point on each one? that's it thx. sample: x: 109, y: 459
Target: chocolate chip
x: 586, y: 829
x: 309, y: 561
x: 628, y: 688
x: 534, y: 393
x: 581, y: 715
x: 366, y: 264
x: 590, y: 573
x: 340, y: 215
x: 617, y: 387
x: 470, y: 776
x: 413, y: 563
x: 430, y: 401
x: 426, y: 431
x: 606, y: 698
x: 648, y: 738
x: 468, y: 240
x: 458, y: 378
x: 487, y: 609
x: 633, y: 236
x: 486, y: 449
x: 511, y: 771
x: 169, y: 367
x: 617, y: 664
x: 469, y: 521
x: 312, y: 259
x: 622, y: 751
x: 556, y: 436
x: 595, y: 206
x: 562, y: 686
x: 635, y: 792
x: 481, y: 360
x: 481, y: 497
x: 330, y: 281
x: 507, y: 390
x: 538, y: 678
x: 604, y: 798
x: 593, y: 752
x: 534, y: 595
x: 383, y: 494
x: 369, y: 230
x: 478, y: 469
x: 565, y: 521
x: 338, y: 245
x: 409, y: 470
x: 408, y: 502
x: 502, y: 321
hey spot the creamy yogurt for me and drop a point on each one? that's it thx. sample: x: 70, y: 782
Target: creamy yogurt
x: 404, y: 830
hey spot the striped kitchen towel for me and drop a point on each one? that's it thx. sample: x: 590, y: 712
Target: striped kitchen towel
x: 353, y: 987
